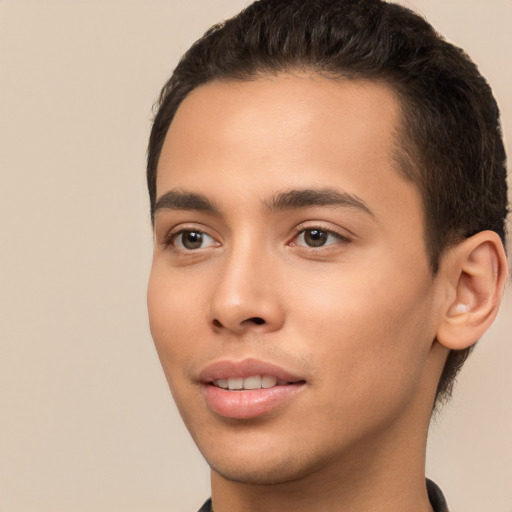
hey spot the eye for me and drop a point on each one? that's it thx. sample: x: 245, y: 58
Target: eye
x: 190, y: 240
x: 316, y: 237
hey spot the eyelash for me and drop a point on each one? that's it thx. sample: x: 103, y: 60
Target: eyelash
x: 301, y: 230
x: 173, y: 236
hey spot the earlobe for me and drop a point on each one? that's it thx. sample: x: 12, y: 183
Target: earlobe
x: 475, y: 272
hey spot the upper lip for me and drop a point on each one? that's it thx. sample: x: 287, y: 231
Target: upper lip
x: 228, y: 368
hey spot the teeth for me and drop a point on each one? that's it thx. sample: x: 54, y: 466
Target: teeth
x: 268, y: 382
x: 252, y: 382
x: 222, y: 383
x: 235, y: 383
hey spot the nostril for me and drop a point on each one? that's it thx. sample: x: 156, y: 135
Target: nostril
x: 256, y: 320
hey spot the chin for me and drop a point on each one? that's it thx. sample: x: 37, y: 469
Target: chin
x: 260, y: 472
x: 264, y: 466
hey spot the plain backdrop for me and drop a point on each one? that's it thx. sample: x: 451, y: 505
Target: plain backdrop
x: 86, y: 419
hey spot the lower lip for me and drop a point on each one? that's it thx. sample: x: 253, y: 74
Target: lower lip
x: 251, y: 403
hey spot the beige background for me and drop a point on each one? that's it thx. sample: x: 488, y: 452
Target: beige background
x: 86, y: 420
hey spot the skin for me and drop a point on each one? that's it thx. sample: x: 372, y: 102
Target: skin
x: 355, y: 318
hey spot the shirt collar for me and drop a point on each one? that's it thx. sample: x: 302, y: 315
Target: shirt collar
x: 435, y: 496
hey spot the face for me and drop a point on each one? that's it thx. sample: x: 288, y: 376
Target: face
x: 290, y: 298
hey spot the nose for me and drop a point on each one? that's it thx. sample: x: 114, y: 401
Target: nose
x: 246, y: 297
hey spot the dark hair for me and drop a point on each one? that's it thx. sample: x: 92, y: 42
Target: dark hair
x: 450, y: 142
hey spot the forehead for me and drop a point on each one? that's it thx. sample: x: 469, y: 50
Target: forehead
x: 284, y: 132
x: 276, y: 111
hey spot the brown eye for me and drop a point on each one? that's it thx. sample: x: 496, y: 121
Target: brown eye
x: 315, y: 237
x: 190, y: 240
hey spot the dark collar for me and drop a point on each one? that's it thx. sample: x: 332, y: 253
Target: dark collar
x: 434, y: 495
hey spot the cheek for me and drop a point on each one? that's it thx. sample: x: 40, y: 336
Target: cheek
x: 171, y: 317
x: 372, y: 328
x: 371, y: 359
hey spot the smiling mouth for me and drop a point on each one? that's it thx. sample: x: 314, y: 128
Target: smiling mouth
x: 251, y: 382
x: 248, y: 388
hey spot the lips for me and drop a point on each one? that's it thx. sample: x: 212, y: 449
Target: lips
x: 247, y: 389
x: 227, y: 369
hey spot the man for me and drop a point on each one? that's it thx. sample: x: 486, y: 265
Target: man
x: 328, y: 192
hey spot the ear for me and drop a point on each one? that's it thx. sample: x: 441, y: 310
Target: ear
x: 474, y: 272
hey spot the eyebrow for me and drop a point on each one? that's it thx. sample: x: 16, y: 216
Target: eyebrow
x: 305, y: 198
x: 182, y: 200
x: 289, y: 200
